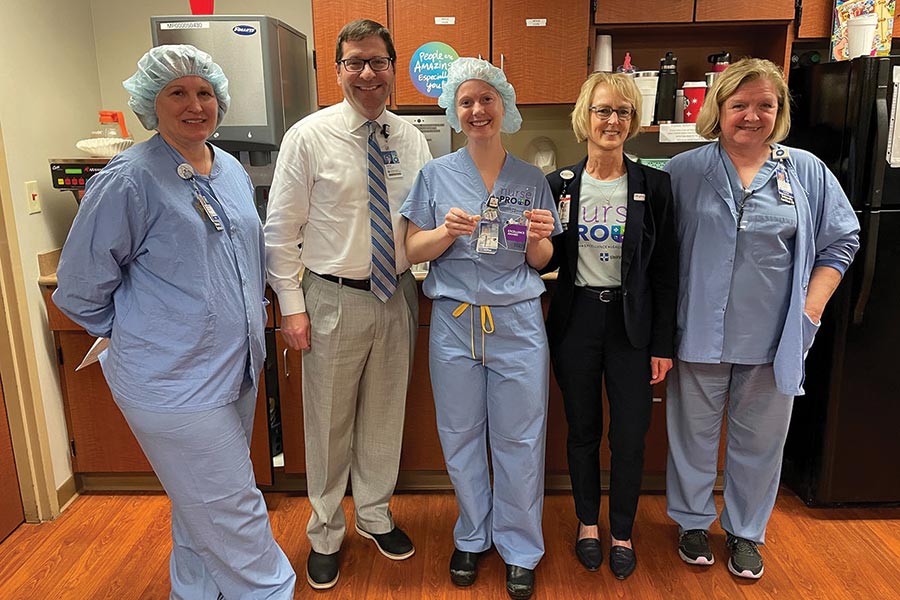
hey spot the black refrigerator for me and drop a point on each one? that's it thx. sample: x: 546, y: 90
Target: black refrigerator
x: 844, y: 441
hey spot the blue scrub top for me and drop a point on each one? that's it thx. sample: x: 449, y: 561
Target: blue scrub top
x: 461, y: 273
x: 182, y: 303
x: 763, y: 263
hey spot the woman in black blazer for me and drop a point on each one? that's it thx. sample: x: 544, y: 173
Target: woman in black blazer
x: 612, y: 314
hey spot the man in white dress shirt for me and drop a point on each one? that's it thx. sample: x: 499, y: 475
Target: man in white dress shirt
x: 357, y: 347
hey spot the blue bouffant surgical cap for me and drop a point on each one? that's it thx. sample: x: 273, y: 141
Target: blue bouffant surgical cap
x: 164, y: 64
x: 464, y: 69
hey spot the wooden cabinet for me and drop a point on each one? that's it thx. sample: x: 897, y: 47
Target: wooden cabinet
x: 816, y: 19
x: 464, y: 26
x: 758, y: 10
x: 99, y: 437
x: 542, y: 46
x: 329, y: 16
x: 290, y: 396
x: 687, y: 11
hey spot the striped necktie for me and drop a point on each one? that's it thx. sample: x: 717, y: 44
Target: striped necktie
x: 384, y: 270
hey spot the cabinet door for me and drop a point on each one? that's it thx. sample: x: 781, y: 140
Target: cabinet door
x: 290, y: 396
x: 729, y: 10
x: 464, y: 26
x: 542, y: 47
x: 100, y: 436
x: 328, y: 19
x: 644, y: 11
x: 816, y: 19
x: 421, y: 444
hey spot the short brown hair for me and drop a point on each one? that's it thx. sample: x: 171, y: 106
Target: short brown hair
x: 726, y: 84
x: 361, y: 29
x: 619, y: 83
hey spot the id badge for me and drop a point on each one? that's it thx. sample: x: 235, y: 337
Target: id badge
x: 211, y: 213
x: 391, y: 164
x: 515, y: 235
x: 563, y: 210
x: 488, y: 237
x: 784, y: 186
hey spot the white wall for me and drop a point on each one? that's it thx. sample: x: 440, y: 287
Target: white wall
x: 49, y: 97
x: 122, y: 35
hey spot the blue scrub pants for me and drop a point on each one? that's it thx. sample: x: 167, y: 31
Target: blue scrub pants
x: 502, y: 402
x: 221, y: 538
x: 758, y: 419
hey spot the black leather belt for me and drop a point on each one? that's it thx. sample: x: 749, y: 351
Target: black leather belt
x: 357, y: 284
x: 602, y: 294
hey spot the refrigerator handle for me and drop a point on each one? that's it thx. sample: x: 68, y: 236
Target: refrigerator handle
x: 882, y: 126
x: 870, y: 252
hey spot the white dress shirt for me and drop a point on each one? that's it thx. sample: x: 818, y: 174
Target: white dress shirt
x: 320, y: 200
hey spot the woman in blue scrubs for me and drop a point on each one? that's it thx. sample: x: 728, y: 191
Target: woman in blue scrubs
x: 765, y: 234
x: 165, y: 258
x: 484, y: 218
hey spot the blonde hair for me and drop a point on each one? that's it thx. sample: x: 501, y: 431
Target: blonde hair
x: 620, y: 84
x: 739, y: 73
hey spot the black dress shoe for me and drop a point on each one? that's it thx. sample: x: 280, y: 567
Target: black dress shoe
x: 322, y: 570
x: 394, y: 544
x: 589, y: 553
x: 519, y: 582
x: 622, y: 561
x: 464, y: 567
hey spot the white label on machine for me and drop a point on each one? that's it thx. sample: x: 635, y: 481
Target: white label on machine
x: 435, y: 129
x: 185, y: 25
x: 445, y: 20
x: 893, y: 151
x: 535, y: 22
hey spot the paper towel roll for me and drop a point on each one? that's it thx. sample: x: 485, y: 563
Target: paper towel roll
x: 603, y: 54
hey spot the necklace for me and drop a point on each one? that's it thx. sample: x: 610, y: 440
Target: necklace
x: 607, y: 199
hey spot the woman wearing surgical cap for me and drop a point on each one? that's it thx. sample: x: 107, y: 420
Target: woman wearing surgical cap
x: 165, y: 258
x: 612, y: 316
x: 484, y: 218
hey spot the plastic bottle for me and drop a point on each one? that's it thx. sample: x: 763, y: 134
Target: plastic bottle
x: 665, y: 88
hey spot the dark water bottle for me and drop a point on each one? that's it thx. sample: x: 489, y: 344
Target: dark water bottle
x: 665, y: 89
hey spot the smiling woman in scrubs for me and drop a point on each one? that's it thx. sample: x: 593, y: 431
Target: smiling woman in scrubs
x: 484, y: 219
x: 165, y: 258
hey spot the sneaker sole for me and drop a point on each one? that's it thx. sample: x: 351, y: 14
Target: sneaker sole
x: 746, y: 573
x: 322, y: 586
x: 369, y: 536
x: 700, y: 560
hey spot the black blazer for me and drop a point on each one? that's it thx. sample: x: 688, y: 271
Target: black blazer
x: 649, y: 259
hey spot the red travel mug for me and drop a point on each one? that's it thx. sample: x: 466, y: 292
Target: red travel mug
x: 694, y: 92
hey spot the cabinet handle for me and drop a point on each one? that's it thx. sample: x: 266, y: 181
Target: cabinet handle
x: 501, y: 61
x: 287, y: 370
x: 479, y: 57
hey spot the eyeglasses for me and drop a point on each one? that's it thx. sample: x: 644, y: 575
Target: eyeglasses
x: 605, y: 112
x: 376, y: 63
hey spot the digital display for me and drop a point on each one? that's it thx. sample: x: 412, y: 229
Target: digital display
x: 74, y: 171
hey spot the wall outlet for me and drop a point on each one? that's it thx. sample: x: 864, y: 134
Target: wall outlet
x: 33, y: 196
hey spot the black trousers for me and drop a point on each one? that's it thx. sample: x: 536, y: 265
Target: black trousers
x: 595, y: 345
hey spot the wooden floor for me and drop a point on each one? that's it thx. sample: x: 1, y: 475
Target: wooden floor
x: 116, y: 547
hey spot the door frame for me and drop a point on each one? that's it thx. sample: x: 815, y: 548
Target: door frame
x: 18, y: 370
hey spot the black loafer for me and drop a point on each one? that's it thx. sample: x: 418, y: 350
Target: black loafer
x: 322, y: 570
x: 622, y: 561
x: 394, y: 544
x: 519, y: 582
x: 464, y: 567
x: 589, y: 553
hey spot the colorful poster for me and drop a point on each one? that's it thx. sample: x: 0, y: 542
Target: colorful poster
x: 428, y: 67
x: 844, y: 9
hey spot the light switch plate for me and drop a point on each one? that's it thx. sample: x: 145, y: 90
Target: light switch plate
x: 33, y: 195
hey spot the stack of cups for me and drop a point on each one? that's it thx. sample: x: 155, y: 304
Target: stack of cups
x: 603, y: 54
x: 694, y: 92
x: 646, y: 82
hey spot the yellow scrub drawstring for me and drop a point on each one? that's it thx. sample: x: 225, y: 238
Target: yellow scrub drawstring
x: 487, y: 325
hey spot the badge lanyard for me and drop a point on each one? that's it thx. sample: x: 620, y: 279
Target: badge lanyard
x: 186, y: 172
x: 785, y: 193
x: 565, y: 198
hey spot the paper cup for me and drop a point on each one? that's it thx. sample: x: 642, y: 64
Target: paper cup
x: 646, y: 82
x: 603, y: 54
x: 861, y: 34
x: 694, y: 92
